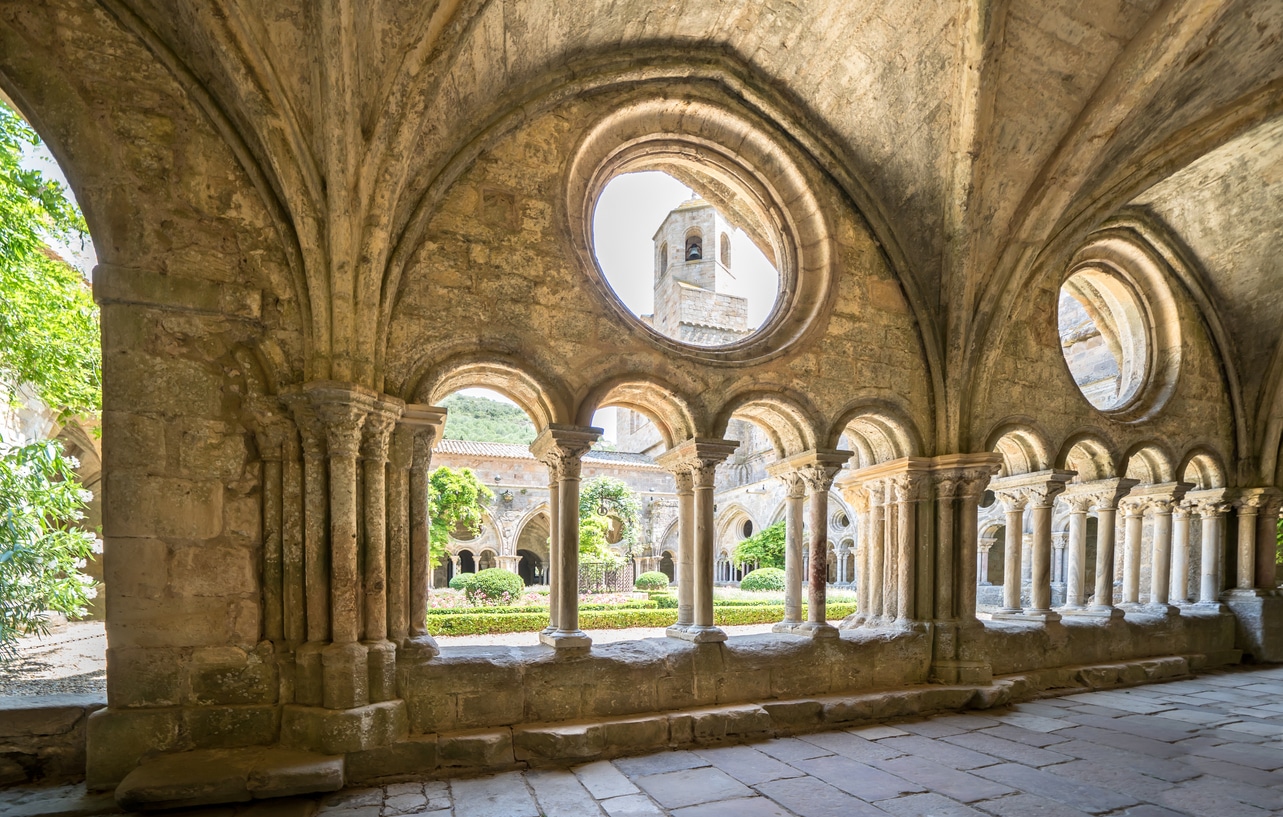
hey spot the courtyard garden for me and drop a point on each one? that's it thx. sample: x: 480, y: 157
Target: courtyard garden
x: 456, y: 611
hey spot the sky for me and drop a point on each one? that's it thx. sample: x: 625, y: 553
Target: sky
x: 39, y: 158
x: 630, y: 210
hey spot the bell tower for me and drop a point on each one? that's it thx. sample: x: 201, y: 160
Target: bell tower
x: 692, y: 276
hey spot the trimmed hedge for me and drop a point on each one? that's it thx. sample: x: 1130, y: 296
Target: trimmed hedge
x: 639, y: 604
x: 461, y: 581
x: 765, y: 578
x: 494, y: 586
x: 653, y: 580
x: 609, y: 619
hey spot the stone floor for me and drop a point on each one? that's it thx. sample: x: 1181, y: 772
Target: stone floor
x: 1209, y: 746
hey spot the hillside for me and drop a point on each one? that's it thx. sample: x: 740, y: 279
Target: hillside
x: 483, y: 420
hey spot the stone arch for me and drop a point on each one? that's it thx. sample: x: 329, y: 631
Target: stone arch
x: 787, y: 420
x: 543, y: 402
x: 659, y: 402
x: 877, y: 431
x: 1148, y: 462
x: 1203, y: 468
x: 726, y: 526
x: 1089, y: 454
x: 1023, y: 446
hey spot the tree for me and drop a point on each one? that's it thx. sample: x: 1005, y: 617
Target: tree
x: 41, y: 552
x: 454, y: 498
x: 481, y: 419
x: 49, y: 337
x: 764, y: 548
x: 611, y: 499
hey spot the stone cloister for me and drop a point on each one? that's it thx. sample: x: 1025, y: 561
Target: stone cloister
x: 314, y: 221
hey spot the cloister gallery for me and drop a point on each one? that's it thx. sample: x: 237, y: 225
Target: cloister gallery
x: 1029, y: 271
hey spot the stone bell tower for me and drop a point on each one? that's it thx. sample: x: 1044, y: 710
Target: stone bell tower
x: 692, y: 274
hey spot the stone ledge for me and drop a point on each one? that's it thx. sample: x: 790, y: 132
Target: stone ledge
x: 215, y: 776
x: 42, y: 737
x: 563, y: 743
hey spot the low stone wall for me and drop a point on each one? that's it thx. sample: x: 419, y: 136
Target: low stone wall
x: 1019, y: 647
x: 42, y: 737
x: 481, y: 687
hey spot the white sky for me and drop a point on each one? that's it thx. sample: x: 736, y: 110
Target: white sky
x: 82, y: 258
x: 630, y: 210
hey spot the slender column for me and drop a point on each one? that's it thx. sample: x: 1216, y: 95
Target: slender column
x: 293, y: 593
x: 269, y: 434
x: 345, y: 673
x: 819, y: 479
x: 794, y: 510
x: 400, y: 457
x: 1180, y: 555
x: 986, y: 544
x: 685, y: 548
x: 890, y: 553
x: 1160, y: 575
x: 374, y: 465
x: 874, y: 541
x: 562, y: 448
x: 971, y: 489
x: 946, y: 491
x: 1211, y: 506
x: 1104, y: 496
x: 424, y: 424
x: 1133, y: 520
x: 1013, y: 505
x: 1267, y: 542
x: 908, y: 490
x: 316, y: 567
x: 1040, y: 561
x: 1248, y: 507
x: 1076, y: 552
x: 554, y: 550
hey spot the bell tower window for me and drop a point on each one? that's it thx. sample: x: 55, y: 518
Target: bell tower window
x: 695, y: 248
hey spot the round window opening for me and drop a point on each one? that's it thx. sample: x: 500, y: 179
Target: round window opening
x: 682, y: 265
x: 1104, y: 337
x: 746, y: 529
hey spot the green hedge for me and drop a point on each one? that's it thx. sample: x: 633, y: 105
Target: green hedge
x: 489, y: 622
x: 639, y: 604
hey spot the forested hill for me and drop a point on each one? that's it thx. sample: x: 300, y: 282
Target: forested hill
x: 483, y: 420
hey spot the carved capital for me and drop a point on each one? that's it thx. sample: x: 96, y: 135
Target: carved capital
x: 1038, y: 490
x: 819, y: 477
x: 699, y: 458
x: 401, y: 448
x: 948, y: 485
x: 685, y: 482
x: 794, y: 484
x: 1014, y: 499
x: 1078, y: 503
x: 342, y: 423
x: 378, y: 432
x: 562, y: 449
x: 1209, y: 502
x: 272, y: 429
x: 908, y: 487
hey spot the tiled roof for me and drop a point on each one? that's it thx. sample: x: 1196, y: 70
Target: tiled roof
x: 512, y: 451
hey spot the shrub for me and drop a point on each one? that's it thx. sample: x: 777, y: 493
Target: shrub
x: 766, y: 578
x: 664, y: 601
x: 461, y: 581
x: 481, y: 623
x: 494, y: 586
x: 653, y: 580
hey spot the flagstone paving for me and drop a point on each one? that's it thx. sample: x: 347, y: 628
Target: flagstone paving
x: 1210, y: 746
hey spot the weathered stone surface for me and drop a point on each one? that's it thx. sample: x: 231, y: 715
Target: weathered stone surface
x: 335, y: 731
x: 476, y: 749
x: 207, y: 777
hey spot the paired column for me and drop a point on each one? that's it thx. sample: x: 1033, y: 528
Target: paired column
x: 1163, y: 503
x: 1038, y: 491
x: 1102, y: 497
x: 1158, y: 501
x: 698, y: 459
x: 1211, y: 506
x: 808, y: 477
x: 1076, y: 548
x: 562, y: 448
x: 1133, y: 509
x: 381, y: 653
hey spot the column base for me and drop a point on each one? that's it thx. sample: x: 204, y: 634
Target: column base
x: 381, y: 664
x: 345, y: 675
x: 422, y: 646
x: 1162, y: 610
x: 1210, y: 606
x: 338, y: 731
x: 1096, y: 612
x: 549, y: 630
x: 785, y: 626
x: 699, y: 634
x: 566, y: 640
x: 810, y: 629
x: 676, y: 630
x: 1045, y: 616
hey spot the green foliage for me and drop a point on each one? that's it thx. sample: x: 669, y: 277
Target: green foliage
x: 1278, y: 543
x: 665, y: 601
x: 764, y: 548
x: 483, y: 420
x: 592, y: 538
x: 509, y: 609
x: 612, y: 498
x: 461, y: 581
x: 48, y: 322
x: 41, y: 552
x: 494, y: 586
x: 612, y: 619
x: 766, y: 578
x: 653, y: 580
x: 454, y: 498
